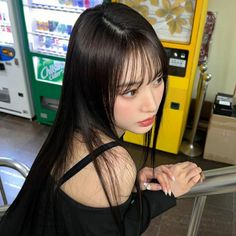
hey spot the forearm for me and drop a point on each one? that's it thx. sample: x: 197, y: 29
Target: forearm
x: 153, y: 203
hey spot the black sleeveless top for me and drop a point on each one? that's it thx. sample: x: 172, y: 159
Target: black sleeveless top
x: 69, y: 217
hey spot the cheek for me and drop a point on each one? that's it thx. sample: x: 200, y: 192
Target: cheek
x: 122, y: 108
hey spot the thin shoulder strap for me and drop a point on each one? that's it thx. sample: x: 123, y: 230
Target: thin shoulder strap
x: 85, y: 161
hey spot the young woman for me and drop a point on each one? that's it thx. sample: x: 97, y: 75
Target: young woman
x: 83, y: 181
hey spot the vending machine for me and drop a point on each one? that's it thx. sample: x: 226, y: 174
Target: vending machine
x: 179, y: 24
x: 47, y: 26
x: 15, y: 92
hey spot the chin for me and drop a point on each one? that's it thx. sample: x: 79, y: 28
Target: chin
x: 141, y: 130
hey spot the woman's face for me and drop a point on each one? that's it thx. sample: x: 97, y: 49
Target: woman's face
x: 135, y: 109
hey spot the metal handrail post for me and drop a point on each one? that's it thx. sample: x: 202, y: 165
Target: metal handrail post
x: 3, y: 194
x: 198, y: 207
x: 20, y: 167
x: 220, y: 171
x: 189, y: 148
x: 203, y: 68
x: 225, y: 183
x: 217, y: 181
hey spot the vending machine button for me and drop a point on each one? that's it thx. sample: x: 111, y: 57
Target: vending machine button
x: 175, y: 54
x: 16, y: 62
x: 174, y: 105
x: 2, y: 66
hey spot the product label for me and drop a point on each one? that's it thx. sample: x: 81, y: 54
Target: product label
x: 225, y: 103
x: 177, y: 62
x: 49, y: 71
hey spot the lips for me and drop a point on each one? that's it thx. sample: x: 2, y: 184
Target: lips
x: 147, y: 122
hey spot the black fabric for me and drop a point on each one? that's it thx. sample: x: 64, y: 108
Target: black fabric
x: 59, y: 214
x: 85, y: 161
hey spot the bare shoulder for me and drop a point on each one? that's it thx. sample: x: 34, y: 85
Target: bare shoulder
x: 124, y: 170
x: 114, y: 170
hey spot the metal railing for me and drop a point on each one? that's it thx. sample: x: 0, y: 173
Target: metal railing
x: 217, y: 181
x: 19, y: 167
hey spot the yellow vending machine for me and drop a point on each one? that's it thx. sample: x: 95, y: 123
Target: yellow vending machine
x: 179, y: 24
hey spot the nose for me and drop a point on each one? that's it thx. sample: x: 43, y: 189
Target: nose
x: 149, y: 101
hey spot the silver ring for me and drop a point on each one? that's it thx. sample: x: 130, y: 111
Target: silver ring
x: 147, y: 186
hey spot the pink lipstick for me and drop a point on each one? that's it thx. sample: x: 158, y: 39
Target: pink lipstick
x: 147, y: 122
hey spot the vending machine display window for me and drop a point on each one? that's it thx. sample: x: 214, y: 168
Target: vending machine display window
x: 171, y: 19
x: 15, y: 90
x: 47, y: 26
x: 6, y: 37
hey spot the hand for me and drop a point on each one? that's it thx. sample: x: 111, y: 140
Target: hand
x: 162, y: 174
x: 187, y: 174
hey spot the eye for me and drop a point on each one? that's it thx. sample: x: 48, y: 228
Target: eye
x: 157, y: 81
x: 130, y: 93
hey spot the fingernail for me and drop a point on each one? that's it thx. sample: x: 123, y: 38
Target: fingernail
x: 169, y: 193
x: 173, y: 178
x: 165, y: 191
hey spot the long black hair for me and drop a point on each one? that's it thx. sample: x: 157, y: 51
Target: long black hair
x: 102, y: 40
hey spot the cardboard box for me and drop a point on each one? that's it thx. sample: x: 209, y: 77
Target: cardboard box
x: 221, y: 139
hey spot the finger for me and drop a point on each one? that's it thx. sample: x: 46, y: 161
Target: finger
x: 152, y: 186
x: 169, y: 165
x: 160, y: 178
x: 189, y: 165
x: 202, y: 177
x: 182, y: 164
x: 193, y: 172
x: 199, y: 179
x: 165, y: 170
x: 165, y: 183
x: 145, y: 174
x: 194, y: 180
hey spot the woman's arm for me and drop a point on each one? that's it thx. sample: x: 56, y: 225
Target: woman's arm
x: 177, y: 178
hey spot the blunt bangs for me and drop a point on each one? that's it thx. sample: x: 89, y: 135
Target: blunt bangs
x: 142, y: 60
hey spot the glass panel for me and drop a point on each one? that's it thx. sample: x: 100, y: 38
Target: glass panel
x: 49, y: 23
x: 172, y: 19
x: 82, y: 4
x: 6, y: 37
x: 12, y: 182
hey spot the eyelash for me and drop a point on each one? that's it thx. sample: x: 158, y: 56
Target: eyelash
x: 134, y: 91
x: 158, y: 80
